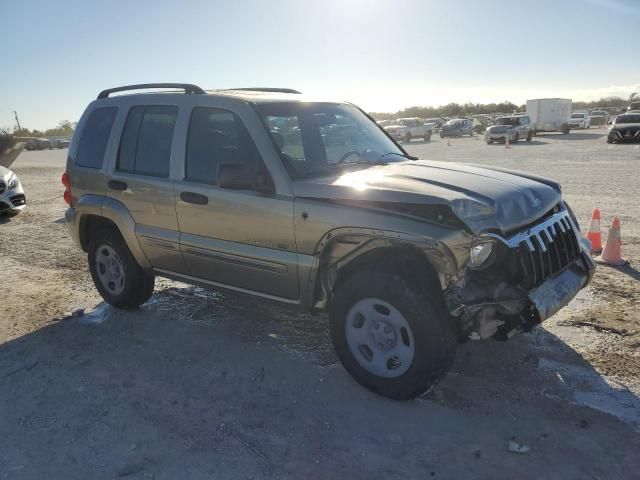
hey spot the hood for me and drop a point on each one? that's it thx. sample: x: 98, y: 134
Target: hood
x: 483, y: 198
x: 394, y: 127
x: 499, y: 128
x: 618, y: 126
x: 4, y: 172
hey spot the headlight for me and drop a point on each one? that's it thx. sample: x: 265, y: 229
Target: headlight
x: 467, y: 209
x: 13, y: 182
x: 480, y: 253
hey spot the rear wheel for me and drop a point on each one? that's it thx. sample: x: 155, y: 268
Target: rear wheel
x: 407, y: 137
x: 529, y: 136
x: 427, y: 137
x: 119, y: 279
x: 516, y: 137
x: 394, y: 339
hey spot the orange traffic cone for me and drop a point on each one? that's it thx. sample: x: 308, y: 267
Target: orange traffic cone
x: 593, y: 234
x: 448, y: 142
x: 506, y: 142
x: 612, y: 253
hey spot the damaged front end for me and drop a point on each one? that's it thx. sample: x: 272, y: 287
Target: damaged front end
x: 529, y: 277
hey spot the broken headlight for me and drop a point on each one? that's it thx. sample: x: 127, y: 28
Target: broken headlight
x: 481, y: 253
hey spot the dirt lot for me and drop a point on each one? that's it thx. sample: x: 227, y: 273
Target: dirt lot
x: 200, y: 384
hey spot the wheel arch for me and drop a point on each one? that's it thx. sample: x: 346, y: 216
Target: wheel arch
x: 94, y: 212
x: 342, y: 253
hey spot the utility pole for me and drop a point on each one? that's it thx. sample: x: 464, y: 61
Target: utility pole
x: 15, y: 114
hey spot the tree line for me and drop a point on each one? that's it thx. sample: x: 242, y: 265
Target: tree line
x: 64, y: 128
x: 469, y: 108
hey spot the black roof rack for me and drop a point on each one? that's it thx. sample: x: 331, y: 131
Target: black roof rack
x: 187, y: 87
x: 267, y: 89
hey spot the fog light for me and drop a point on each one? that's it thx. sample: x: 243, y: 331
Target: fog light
x: 480, y: 254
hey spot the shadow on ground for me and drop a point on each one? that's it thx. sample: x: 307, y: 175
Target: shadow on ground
x: 199, y: 383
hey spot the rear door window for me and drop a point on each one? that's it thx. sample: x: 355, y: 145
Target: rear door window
x: 95, y: 136
x: 145, y: 146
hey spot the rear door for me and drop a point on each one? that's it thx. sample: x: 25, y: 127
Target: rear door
x: 140, y: 180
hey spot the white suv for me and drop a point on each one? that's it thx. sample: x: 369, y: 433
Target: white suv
x: 406, y: 129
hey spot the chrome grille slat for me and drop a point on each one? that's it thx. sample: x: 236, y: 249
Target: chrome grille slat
x: 546, y: 248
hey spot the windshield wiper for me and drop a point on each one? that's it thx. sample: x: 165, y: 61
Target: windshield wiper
x: 409, y: 157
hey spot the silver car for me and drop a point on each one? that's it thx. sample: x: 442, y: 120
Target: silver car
x: 12, y: 197
x: 511, y: 128
x: 311, y: 204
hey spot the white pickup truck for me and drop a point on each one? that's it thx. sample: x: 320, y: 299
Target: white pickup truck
x: 406, y: 129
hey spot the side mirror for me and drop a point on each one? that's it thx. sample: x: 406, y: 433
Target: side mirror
x: 236, y: 176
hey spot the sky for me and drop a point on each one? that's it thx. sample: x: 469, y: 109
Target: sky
x: 381, y: 55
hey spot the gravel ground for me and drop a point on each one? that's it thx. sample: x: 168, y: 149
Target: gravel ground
x: 201, y: 384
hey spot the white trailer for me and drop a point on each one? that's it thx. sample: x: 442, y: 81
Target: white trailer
x: 549, y: 114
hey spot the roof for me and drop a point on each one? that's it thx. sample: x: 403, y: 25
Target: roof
x: 250, y: 94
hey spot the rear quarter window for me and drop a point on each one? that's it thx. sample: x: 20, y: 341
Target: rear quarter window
x: 94, y: 138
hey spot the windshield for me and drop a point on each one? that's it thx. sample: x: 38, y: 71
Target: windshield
x: 577, y: 115
x: 318, y: 138
x: 599, y: 113
x: 507, y: 121
x: 454, y: 122
x: 627, y: 119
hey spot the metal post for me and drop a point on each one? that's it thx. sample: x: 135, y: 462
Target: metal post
x: 15, y: 114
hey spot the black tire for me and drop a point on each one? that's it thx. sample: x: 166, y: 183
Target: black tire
x: 529, y: 136
x: 489, y: 142
x: 407, y: 138
x: 516, y: 138
x: 138, y: 284
x: 471, y: 133
x: 565, y: 129
x: 609, y: 140
x: 427, y: 137
x: 442, y: 136
x: 433, y: 332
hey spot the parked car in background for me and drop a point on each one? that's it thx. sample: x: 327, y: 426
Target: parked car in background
x: 406, y: 129
x: 437, y: 123
x: 633, y: 106
x: 38, y: 144
x: 512, y: 128
x: 408, y: 257
x: 625, y: 128
x: 456, y: 127
x: 384, y: 123
x: 549, y: 114
x: 579, y: 120
x: 599, y: 117
x: 12, y: 198
x: 60, y: 143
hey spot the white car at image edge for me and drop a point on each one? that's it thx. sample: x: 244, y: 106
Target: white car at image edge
x: 12, y: 198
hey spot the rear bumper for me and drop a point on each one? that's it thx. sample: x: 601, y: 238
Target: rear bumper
x: 70, y: 216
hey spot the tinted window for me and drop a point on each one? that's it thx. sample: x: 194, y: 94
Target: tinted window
x: 145, y: 146
x: 95, y: 135
x: 217, y: 136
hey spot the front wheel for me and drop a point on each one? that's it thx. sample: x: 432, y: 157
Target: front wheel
x: 427, y: 137
x: 529, y: 136
x: 394, y: 339
x: 516, y: 137
x: 407, y: 138
x: 117, y: 276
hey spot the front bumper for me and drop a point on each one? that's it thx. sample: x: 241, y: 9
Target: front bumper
x: 624, y: 136
x: 12, y: 201
x: 535, y: 273
x: 499, y: 137
x: 577, y: 125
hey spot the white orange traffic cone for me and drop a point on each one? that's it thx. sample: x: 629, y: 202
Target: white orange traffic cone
x: 506, y: 142
x: 612, y: 253
x: 593, y: 234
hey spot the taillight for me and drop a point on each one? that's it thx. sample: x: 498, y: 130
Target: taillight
x: 67, y: 186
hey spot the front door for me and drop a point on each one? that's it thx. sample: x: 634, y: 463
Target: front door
x: 241, y: 239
